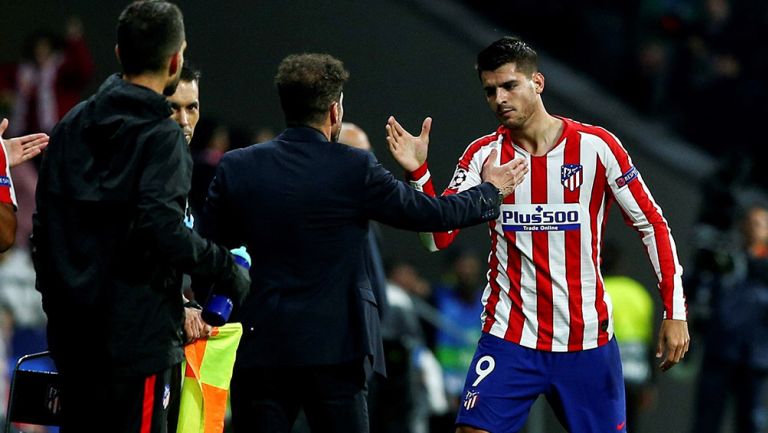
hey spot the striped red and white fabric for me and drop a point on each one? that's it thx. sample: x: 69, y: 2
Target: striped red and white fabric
x: 7, y: 193
x: 545, y: 290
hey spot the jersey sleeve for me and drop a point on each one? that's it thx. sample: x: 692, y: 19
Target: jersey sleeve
x: 641, y: 212
x: 466, y: 176
x: 7, y: 193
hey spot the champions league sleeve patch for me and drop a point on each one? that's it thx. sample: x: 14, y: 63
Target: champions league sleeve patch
x: 458, y: 178
x: 5, y: 181
x: 627, y: 177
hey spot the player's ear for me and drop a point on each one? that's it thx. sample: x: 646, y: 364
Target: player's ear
x: 538, y: 81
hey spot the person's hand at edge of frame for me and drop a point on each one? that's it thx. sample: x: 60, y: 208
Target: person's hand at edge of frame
x: 409, y: 151
x: 24, y: 148
x: 505, y: 177
x: 673, y: 344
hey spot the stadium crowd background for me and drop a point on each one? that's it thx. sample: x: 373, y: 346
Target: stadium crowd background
x: 687, y: 75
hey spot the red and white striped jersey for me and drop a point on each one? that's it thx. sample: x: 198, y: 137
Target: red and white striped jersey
x: 7, y: 194
x: 545, y: 290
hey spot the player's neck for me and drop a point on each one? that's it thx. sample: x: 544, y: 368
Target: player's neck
x: 540, y: 134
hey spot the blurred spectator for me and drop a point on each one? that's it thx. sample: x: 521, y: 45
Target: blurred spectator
x: 729, y: 305
x: 211, y: 141
x: 6, y: 335
x: 679, y: 61
x: 263, y: 134
x: 458, y: 299
x: 17, y: 289
x: 43, y: 87
x: 22, y: 320
x: 49, y: 80
x: 633, y: 318
x: 406, y: 276
x: 413, y: 390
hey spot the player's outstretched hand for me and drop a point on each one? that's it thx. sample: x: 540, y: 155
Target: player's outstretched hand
x: 409, y: 151
x: 20, y: 149
x: 505, y: 177
x: 673, y: 343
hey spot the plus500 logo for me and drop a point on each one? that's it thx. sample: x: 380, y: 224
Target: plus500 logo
x: 562, y: 217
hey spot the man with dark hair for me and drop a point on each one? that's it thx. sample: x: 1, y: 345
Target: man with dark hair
x: 547, y: 325
x: 301, y: 203
x: 185, y: 102
x: 109, y: 241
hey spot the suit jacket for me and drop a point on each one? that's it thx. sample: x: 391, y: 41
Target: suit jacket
x: 301, y: 205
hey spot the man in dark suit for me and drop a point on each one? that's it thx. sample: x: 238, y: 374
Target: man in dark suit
x: 301, y: 204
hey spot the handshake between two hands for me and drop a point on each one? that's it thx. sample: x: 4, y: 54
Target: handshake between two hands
x: 411, y: 153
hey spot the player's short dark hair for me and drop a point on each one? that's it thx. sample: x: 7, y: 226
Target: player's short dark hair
x: 189, y: 74
x: 509, y: 49
x: 308, y: 84
x: 148, y: 32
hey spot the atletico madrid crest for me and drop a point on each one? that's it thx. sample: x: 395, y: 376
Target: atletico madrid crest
x: 470, y: 400
x: 571, y: 176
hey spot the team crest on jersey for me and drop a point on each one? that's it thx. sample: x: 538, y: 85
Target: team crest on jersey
x: 458, y: 178
x: 571, y: 176
x: 541, y: 217
x: 470, y: 400
x: 627, y: 177
x: 166, y: 396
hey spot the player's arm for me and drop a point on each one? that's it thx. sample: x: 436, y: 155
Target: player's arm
x: 7, y: 226
x: 643, y: 214
x: 7, y: 198
x: 463, y: 179
x: 411, y: 153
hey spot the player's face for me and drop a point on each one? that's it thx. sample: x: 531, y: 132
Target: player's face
x: 185, y: 103
x: 512, y: 95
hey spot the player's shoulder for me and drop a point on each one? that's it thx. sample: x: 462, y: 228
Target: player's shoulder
x: 595, y: 131
x: 598, y: 137
x: 478, y: 145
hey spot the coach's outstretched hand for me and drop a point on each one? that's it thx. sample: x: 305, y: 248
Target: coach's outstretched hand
x: 673, y: 342
x: 505, y: 177
x: 409, y: 151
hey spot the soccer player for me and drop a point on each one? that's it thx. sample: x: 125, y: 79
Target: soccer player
x: 547, y: 326
x: 7, y: 198
x: 13, y: 151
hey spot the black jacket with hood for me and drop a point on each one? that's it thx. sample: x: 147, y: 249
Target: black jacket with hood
x: 109, y: 242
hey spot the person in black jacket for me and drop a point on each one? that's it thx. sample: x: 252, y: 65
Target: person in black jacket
x: 301, y: 203
x: 109, y: 242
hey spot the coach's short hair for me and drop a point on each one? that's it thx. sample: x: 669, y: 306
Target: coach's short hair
x: 509, y: 49
x: 148, y: 32
x: 308, y: 84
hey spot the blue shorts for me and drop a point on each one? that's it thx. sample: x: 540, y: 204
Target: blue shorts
x: 585, y: 388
